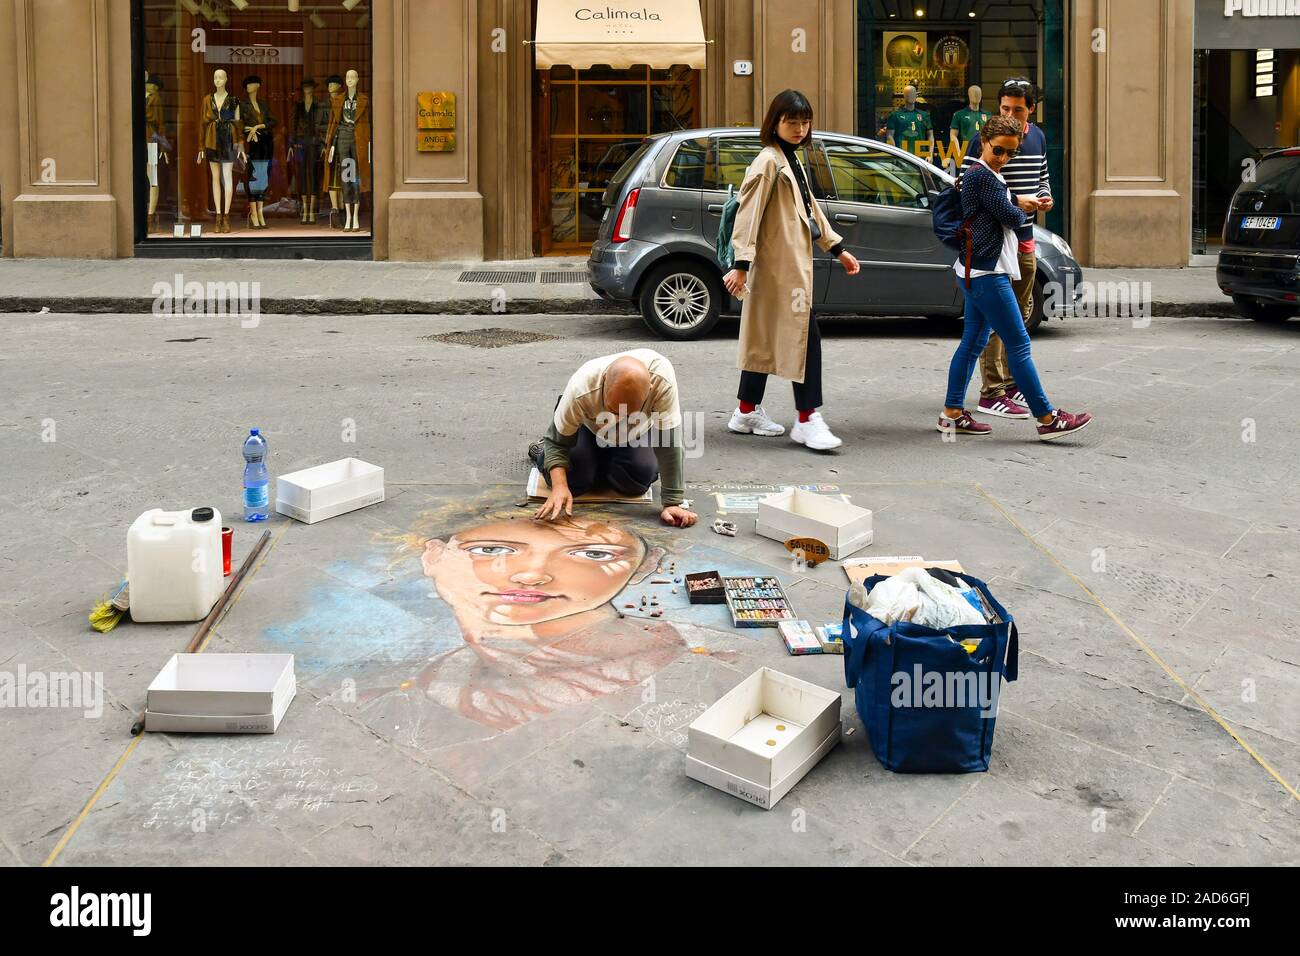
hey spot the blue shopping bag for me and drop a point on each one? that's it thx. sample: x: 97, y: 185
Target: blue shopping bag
x: 929, y: 706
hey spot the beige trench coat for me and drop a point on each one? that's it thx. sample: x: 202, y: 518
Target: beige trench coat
x: 773, y: 234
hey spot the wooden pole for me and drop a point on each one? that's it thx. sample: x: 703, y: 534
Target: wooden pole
x: 214, y: 615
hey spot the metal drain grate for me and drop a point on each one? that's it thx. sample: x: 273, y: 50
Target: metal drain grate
x: 570, y: 275
x: 489, y: 338
x: 485, y: 276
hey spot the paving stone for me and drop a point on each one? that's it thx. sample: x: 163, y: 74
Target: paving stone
x: 1213, y: 829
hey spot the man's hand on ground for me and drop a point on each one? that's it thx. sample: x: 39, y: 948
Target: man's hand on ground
x: 677, y: 515
x: 557, y: 505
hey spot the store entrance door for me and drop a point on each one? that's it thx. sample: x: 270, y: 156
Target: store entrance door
x: 588, y: 122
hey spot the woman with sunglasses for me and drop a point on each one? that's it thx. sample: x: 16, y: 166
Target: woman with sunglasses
x: 984, y: 273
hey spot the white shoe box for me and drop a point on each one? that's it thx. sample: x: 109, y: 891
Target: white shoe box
x: 795, y: 513
x: 763, y: 736
x: 326, y: 491
x: 221, y: 694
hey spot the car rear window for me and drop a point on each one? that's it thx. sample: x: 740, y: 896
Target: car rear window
x: 686, y: 170
x: 1276, y: 185
x: 630, y: 164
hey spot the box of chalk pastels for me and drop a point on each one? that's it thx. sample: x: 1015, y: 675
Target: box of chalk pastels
x: 705, y: 587
x: 757, y: 602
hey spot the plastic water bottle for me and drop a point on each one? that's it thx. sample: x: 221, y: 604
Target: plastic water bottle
x: 256, y: 481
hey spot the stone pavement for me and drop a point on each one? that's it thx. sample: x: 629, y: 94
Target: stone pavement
x: 552, y: 286
x: 1152, y: 566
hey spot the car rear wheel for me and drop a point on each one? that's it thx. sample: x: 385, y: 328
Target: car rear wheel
x: 1264, y: 311
x: 681, y: 300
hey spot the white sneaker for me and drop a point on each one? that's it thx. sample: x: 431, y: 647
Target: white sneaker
x: 756, y: 422
x: 815, y: 434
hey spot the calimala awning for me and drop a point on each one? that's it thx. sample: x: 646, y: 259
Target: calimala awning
x: 620, y: 33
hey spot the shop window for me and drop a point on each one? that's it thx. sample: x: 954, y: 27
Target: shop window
x: 1233, y: 129
x: 592, y: 122
x: 245, y: 137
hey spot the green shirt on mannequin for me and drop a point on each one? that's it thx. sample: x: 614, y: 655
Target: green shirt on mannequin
x: 909, y: 127
x: 968, y: 122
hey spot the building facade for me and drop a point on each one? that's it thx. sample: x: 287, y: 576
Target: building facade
x: 440, y: 138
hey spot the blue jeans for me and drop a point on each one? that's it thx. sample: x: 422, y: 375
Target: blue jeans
x: 991, y: 307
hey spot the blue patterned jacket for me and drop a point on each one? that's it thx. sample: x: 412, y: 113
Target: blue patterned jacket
x: 985, y: 197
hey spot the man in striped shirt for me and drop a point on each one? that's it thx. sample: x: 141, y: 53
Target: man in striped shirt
x: 1026, y: 176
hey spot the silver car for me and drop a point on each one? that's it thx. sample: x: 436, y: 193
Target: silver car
x: 658, y: 234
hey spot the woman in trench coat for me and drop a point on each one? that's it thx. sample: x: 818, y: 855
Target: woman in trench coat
x: 776, y: 223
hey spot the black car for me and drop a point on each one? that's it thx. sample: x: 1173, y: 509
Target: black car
x: 1259, y: 265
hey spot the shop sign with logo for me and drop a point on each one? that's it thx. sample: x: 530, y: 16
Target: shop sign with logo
x: 253, y: 55
x: 436, y: 110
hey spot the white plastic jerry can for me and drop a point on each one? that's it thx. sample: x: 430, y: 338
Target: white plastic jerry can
x: 173, y: 564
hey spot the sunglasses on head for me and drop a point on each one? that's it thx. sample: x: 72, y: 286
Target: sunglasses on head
x: 1018, y: 83
x: 1003, y: 151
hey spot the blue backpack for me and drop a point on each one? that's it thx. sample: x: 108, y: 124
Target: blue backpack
x: 727, y: 256
x: 950, y: 227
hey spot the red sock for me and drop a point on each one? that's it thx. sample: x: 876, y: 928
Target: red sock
x: 805, y: 414
x: 747, y: 407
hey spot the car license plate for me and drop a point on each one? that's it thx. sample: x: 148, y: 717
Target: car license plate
x: 1261, y: 222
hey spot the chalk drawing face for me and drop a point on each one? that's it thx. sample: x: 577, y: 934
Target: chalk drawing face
x: 526, y: 571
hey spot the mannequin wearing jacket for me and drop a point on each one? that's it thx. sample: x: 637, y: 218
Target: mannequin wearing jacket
x: 349, y: 147
x: 155, y: 142
x: 223, y: 141
x: 259, y: 126
x: 334, y: 86
x: 310, y: 121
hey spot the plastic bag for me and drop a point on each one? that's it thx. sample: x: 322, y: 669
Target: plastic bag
x: 913, y: 595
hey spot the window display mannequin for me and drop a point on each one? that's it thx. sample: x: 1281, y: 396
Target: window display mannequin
x: 349, y: 147
x: 155, y: 142
x: 307, y: 147
x: 223, y: 141
x: 967, y: 123
x: 909, y: 125
x: 259, y: 126
x: 334, y: 85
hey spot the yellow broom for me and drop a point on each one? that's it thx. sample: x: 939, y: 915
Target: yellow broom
x: 106, y: 613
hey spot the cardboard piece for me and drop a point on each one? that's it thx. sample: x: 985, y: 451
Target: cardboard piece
x: 809, y: 550
x: 538, y: 489
x: 221, y: 694
x: 325, y: 491
x: 795, y: 513
x: 859, y: 571
x: 763, y: 736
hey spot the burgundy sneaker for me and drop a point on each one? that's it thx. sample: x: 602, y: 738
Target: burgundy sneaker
x: 1062, y: 424
x: 1003, y: 407
x: 1016, y: 396
x: 963, y: 424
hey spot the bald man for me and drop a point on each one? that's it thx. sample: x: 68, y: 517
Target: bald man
x: 617, y: 426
